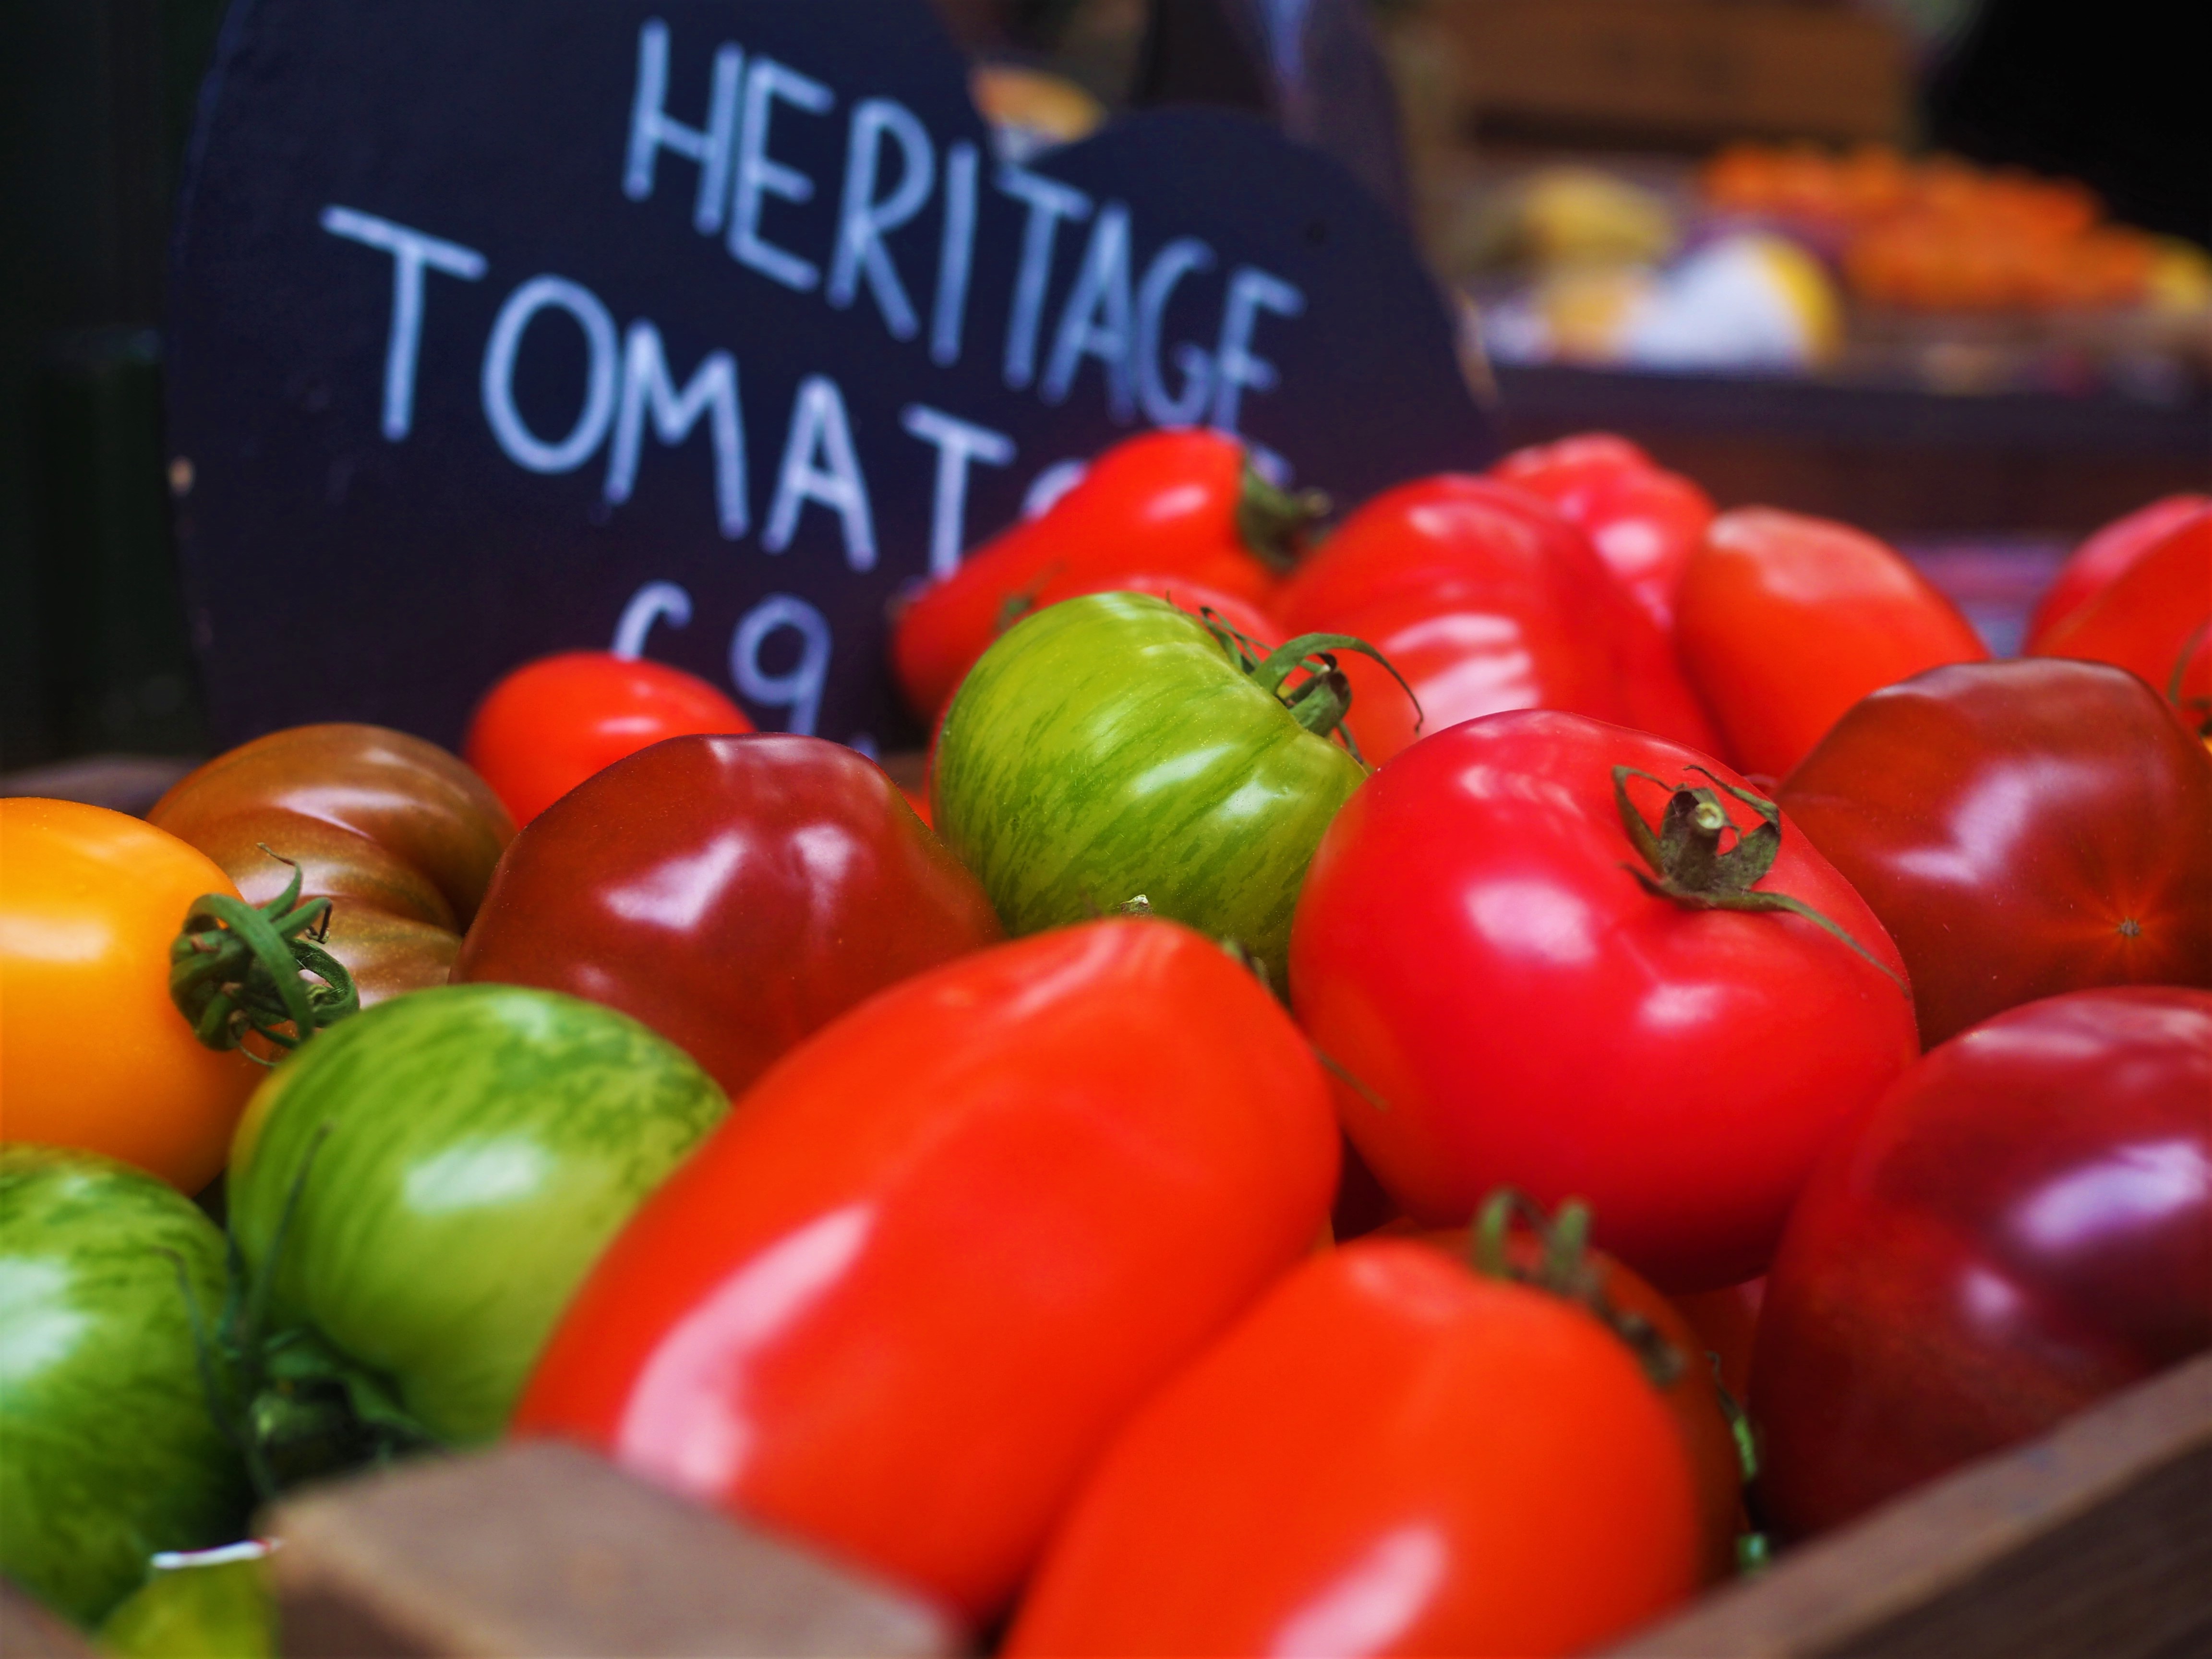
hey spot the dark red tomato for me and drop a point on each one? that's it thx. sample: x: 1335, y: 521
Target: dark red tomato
x: 1784, y: 621
x: 1390, y: 1455
x: 733, y: 893
x: 1643, y: 520
x: 1184, y: 504
x: 554, y: 722
x: 935, y: 1258
x: 2093, y: 564
x: 2021, y: 829
x: 2154, y: 619
x: 1484, y: 598
x: 1727, y: 1322
x: 2023, y: 1225
x: 1473, y: 944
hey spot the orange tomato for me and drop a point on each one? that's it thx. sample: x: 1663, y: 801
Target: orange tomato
x: 92, y: 1053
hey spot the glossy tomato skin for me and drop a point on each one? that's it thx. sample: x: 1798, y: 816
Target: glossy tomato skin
x: 2105, y: 555
x: 92, y: 1053
x: 1643, y: 520
x: 1384, y: 1457
x: 2023, y: 1225
x: 1163, y: 502
x: 942, y: 1249
x: 734, y: 893
x: 2152, y: 619
x: 1518, y: 1011
x: 2022, y: 828
x: 1110, y: 748
x: 1194, y: 598
x: 398, y: 835
x: 461, y: 1155
x: 111, y: 1453
x: 1484, y: 599
x: 1785, y: 621
x: 551, y: 724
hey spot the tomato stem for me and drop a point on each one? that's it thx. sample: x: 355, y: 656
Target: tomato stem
x: 1689, y: 866
x: 1276, y: 525
x: 1564, y: 1270
x: 237, y: 968
x: 1321, y: 701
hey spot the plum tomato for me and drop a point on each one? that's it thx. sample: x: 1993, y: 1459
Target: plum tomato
x: 1643, y: 520
x: 2154, y: 618
x: 551, y: 724
x: 1784, y: 621
x: 1523, y: 983
x: 2093, y: 565
x: 2021, y: 829
x: 2023, y: 1225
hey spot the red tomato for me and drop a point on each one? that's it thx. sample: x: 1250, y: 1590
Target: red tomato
x: 2105, y: 555
x: 898, y: 1301
x: 1240, y: 613
x: 1475, y: 945
x: 2021, y: 829
x: 1186, y: 504
x: 1484, y: 598
x: 1727, y: 1323
x: 2023, y: 1225
x: 1389, y: 1455
x: 1784, y: 621
x: 2152, y: 619
x: 733, y: 893
x: 552, y: 723
x: 1643, y: 520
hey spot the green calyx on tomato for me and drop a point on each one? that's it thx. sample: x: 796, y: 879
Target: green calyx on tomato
x: 1112, y: 744
x: 1321, y: 701
x: 1564, y: 1269
x: 236, y: 968
x: 1689, y: 866
x: 1276, y: 523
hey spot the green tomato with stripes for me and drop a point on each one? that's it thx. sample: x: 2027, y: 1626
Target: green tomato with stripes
x: 1113, y: 749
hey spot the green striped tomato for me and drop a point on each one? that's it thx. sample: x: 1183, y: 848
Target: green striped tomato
x: 1110, y: 748
x: 108, y: 1451
x: 467, y: 1152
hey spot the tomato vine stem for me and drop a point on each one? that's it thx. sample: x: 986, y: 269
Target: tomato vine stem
x: 236, y: 968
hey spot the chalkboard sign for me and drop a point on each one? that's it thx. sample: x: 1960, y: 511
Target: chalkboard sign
x: 704, y: 329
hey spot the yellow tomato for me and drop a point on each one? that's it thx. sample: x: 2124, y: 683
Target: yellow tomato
x: 92, y: 1053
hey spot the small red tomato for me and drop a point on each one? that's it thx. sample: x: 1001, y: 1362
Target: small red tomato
x: 1184, y: 503
x: 1484, y: 598
x: 933, y: 1259
x: 2093, y: 564
x: 1483, y: 943
x: 732, y: 893
x: 2154, y: 618
x: 1784, y: 621
x: 2023, y: 1225
x: 1389, y: 1454
x: 554, y: 722
x: 1643, y: 520
x: 2021, y: 829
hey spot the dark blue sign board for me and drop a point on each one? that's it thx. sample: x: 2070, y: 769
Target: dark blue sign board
x: 704, y: 327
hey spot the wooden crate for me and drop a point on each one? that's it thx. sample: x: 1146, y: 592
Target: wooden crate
x: 1677, y: 72
x: 2096, y: 1540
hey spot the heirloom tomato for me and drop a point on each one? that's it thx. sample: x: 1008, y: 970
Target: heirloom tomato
x: 2154, y: 618
x: 1784, y: 621
x: 552, y: 723
x: 92, y: 1053
x: 111, y: 1451
x: 1389, y: 1454
x: 896, y: 1305
x: 732, y: 893
x: 421, y: 1186
x: 2022, y: 1226
x: 2106, y: 555
x: 398, y: 835
x: 1643, y: 520
x: 2021, y: 829
x: 1484, y: 598
x: 1546, y: 953
x: 1185, y: 504
x: 1113, y: 748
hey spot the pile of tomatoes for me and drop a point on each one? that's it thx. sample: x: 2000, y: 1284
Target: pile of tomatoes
x: 1391, y: 1071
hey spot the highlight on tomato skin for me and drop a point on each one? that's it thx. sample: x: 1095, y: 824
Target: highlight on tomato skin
x: 549, y: 724
x: 1388, y: 1453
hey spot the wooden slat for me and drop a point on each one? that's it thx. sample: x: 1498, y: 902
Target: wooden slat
x: 2096, y: 1540
x: 541, y: 1552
